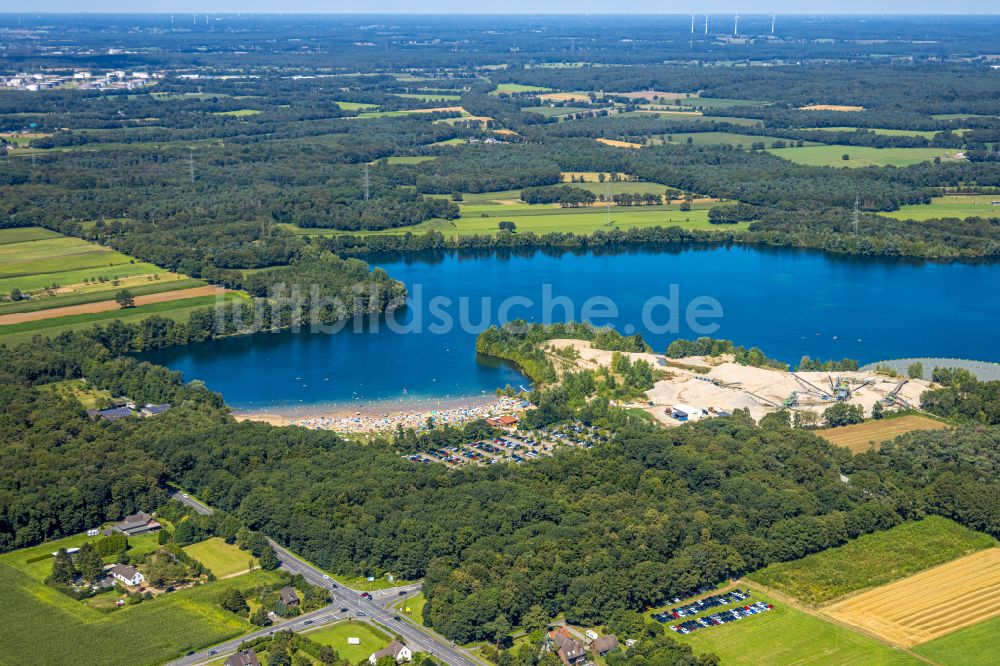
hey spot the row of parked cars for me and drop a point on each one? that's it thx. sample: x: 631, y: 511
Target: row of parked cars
x: 723, y: 617
x: 700, y: 606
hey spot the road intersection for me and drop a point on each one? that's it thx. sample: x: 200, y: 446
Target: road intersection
x: 347, y: 604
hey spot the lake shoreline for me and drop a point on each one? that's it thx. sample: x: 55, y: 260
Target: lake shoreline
x: 380, y: 415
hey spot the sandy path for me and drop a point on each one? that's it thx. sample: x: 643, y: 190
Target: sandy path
x: 103, y: 306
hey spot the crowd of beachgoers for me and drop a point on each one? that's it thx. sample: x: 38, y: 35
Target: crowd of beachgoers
x: 418, y: 419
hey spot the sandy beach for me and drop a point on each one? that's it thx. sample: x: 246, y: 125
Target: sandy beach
x: 376, y: 416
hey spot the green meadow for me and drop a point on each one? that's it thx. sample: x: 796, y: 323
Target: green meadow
x: 873, y: 559
x: 371, y: 638
x: 723, y: 138
x: 104, y: 291
x: 971, y: 646
x: 485, y: 219
x: 179, y: 310
x: 430, y: 97
x: 832, y: 156
x: 355, y: 106
x: 961, y: 206
x: 221, y: 558
x: 552, y: 111
x: 929, y: 134
x: 409, y: 159
x: 508, y: 88
x: 786, y: 635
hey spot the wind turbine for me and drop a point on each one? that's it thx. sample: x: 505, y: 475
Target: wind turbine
x: 706, y: 24
x: 736, y: 25
x: 692, y: 24
x: 772, y: 23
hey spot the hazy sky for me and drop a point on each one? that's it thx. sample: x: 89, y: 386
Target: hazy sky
x: 516, y: 6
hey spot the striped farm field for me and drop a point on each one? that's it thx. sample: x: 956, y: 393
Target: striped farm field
x: 860, y: 437
x: 106, y: 305
x: 929, y: 604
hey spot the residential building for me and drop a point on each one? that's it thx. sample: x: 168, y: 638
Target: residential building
x: 395, y: 649
x: 127, y: 574
x: 605, y: 644
x: 569, y: 650
x: 243, y: 658
x: 289, y: 597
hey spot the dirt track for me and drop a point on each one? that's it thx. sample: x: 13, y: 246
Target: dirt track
x: 103, y: 306
x: 929, y: 604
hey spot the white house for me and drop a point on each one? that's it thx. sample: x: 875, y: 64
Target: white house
x: 127, y: 574
x: 395, y: 649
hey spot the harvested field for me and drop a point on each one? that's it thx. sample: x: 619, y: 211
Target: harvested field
x: 831, y: 107
x: 619, y: 144
x: 929, y: 604
x: 860, y: 437
x: 103, y: 306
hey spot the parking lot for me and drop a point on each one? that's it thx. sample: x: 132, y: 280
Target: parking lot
x: 514, y: 448
x: 696, y: 610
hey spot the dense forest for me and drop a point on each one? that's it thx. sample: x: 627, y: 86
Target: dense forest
x: 649, y: 515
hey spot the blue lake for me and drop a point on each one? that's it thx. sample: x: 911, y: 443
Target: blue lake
x: 789, y: 303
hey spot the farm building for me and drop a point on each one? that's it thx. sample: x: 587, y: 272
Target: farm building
x: 137, y: 523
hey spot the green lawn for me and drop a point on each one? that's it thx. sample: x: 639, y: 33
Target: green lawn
x: 971, y: 646
x: 221, y: 558
x: 336, y: 635
x: 860, y: 156
x: 43, y: 626
x: 415, y: 604
x: 873, y: 560
x: 950, y: 206
x: 785, y: 635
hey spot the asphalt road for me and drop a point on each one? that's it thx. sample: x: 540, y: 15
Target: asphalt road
x: 379, y: 609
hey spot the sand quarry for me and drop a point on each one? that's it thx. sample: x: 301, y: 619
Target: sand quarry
x: 719, y: 384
